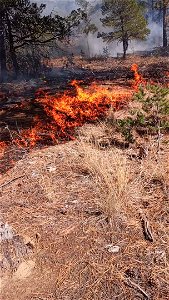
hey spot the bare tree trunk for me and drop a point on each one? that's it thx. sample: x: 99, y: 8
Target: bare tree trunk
x: 165, y: 42
x: 3, y: 68
x: 125, y: 45
x: 11, y: 47
x: 88, y: 47
x: 124, y: 50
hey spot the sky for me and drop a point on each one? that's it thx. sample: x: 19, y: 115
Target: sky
x: 63, y: 7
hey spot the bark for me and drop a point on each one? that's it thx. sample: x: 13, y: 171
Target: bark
x: 3, y: 67
x: 88, y: 47
x: 124, y: 38
x: 11, y: 47
x: 165, y: 42
x: 125, y: 45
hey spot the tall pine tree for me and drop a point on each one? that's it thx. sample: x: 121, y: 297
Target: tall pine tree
x: 126, y: 20
x: 164, y: 6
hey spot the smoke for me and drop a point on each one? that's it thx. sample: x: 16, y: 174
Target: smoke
x: 154, y: 40
x: 61, y: 7
x: 93, y: 46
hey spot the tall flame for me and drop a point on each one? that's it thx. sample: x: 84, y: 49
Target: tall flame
x: 138, y: 79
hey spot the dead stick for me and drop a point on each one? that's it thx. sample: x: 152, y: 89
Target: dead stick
x: 10, y: 181
x: 146, y: 227
x: 137, y: 287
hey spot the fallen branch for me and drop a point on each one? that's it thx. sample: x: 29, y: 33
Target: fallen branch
x: 10, y: 181
x: 137, y: 287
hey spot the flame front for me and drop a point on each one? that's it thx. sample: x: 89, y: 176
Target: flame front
x: 62, y: 114
x: 67, y: 112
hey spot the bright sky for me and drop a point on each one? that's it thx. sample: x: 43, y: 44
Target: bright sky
x: 63, y: 7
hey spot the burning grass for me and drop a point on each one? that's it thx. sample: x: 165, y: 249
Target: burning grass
x: 62, y: 114
x: 89, y: 218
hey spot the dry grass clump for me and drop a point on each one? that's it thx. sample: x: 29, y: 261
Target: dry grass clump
x: 111, y: 175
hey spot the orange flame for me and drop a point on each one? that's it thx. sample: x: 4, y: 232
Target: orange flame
x: 137, y: 77
x: 66, y: 112
x: 63, y: 114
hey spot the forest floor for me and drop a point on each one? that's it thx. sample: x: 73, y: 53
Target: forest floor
x: 88, y: 219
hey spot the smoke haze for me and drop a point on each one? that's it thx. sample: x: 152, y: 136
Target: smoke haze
x: 94, y: 46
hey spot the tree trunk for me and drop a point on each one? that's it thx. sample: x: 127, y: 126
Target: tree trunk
x: 125, y: 46
x: 88, y: 47
x: 124, y: 50
x: 3, y: 68
x: 124, y: 38
x: 165, y: 25
x: 11, y: 47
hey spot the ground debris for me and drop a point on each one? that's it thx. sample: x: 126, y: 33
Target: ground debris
x: 146, y: 229
x: 132, y: 284
x: 10, y: 181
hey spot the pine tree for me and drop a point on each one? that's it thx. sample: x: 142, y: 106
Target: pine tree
x: 164, y: 6
x: 23, y: 25
x: 87, y: 26
x: 126, y: 18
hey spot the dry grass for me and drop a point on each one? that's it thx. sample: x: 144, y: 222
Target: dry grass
x: 73, y: 204
x: 111, y: 174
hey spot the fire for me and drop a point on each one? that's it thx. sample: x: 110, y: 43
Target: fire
x: 138, y: 79
x: 67, y: 112
x: 64, y: 113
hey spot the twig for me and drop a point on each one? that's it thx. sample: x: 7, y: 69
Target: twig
x: 158, y: 131
x: 158, y: 138
x: 10, y: 133
x: 146, y: 229
x: 137, y: 287
x: 10, y: 181
x: 18, y: 128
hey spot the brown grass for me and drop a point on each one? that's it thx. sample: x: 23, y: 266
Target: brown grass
x: 74, y: 203
x: 111, y: 174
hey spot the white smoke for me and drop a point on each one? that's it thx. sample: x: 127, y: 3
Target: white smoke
x: 62, y: 7
x: 94, y: 46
